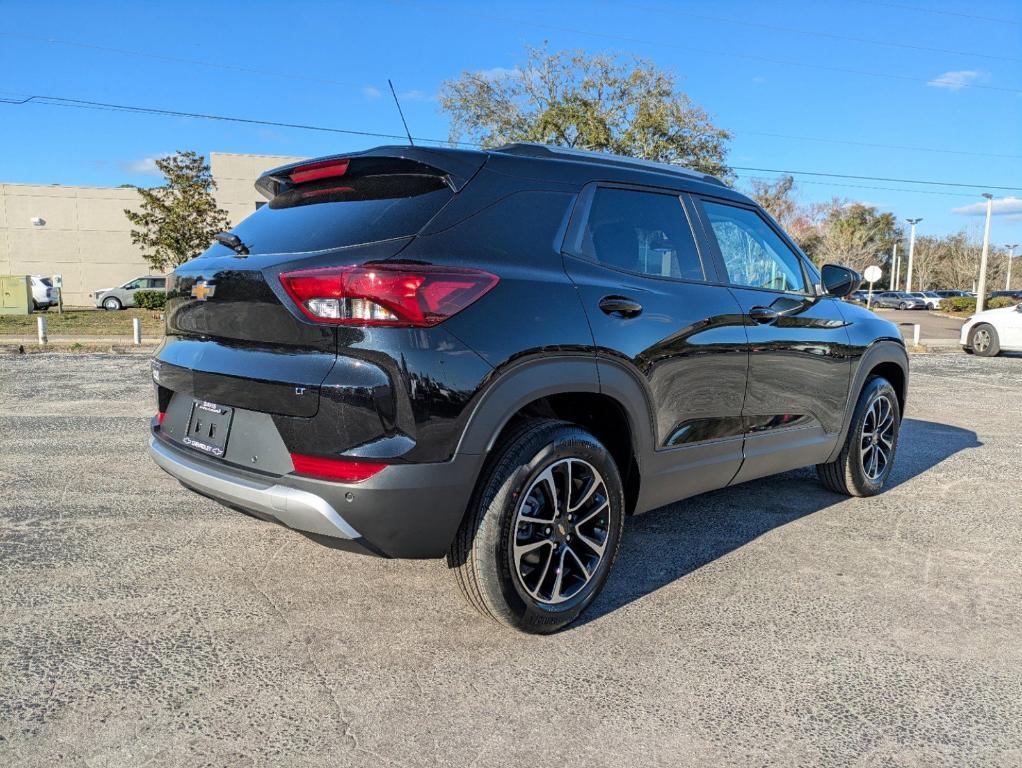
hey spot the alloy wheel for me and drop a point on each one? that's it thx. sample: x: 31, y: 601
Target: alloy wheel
x: 981, y: 340
x: 876, y: 444
x: 560, y: 531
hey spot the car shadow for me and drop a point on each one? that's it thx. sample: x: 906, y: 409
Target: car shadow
x: 667, y: 544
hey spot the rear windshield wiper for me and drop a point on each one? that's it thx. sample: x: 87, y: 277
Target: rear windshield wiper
x: 232, y: 241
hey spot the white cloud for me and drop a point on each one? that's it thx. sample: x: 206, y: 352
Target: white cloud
x: 371, y: 93
x: 145, y: 165
x: 496, y: 73
x: 956, y: 79
x: 414, y: 95
x: 1009, y: 207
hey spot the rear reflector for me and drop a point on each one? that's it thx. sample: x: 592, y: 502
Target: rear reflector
x: 402, y: 295
x: 160, y: 416
x: 325, y: 169
x: 335, y: 469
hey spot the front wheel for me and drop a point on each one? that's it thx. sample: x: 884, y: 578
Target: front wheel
x: 864, y: 463
x: 111, y: 303
x: 984, y: 340
x: 903, y: 305
x: 543, y: 529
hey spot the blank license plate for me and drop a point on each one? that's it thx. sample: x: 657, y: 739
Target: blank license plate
x: 208, y: 427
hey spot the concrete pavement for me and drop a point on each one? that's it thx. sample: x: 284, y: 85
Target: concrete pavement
x: 769, y: 624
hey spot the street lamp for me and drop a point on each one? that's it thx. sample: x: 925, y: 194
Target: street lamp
x: 911, y: 252
x: 981, y: 289
x: 1011, y: 254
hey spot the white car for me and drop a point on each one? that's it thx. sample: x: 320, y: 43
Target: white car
x: 44, y: 295
x: 931, y: 298
x: 993, y: 331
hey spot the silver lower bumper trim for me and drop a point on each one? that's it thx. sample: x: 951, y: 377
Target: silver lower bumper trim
x: 296, y: 509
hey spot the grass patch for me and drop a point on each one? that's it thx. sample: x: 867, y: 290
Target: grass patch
x: 84, y: 322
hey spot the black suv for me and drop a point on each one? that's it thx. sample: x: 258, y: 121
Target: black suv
x: 498, y: 356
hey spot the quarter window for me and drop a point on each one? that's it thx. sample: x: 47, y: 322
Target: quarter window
x: 644, y: 232
x: 753, y: 253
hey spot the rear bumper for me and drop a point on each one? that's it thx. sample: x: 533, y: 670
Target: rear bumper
x: 411, y: 510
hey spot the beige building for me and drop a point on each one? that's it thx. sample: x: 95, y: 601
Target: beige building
x: 81, y: 233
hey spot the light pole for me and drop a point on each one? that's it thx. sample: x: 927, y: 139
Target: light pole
x: 1011, y: 255
x: 981, y: 289
x: 894, y: 269
x: 911, y: 253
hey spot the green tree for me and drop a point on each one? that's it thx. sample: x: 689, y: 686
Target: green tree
x: 596, y: 102
x: 858, y: 235
x: 177, y: 221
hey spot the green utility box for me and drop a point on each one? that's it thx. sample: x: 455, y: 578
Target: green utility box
x: 15, y: 294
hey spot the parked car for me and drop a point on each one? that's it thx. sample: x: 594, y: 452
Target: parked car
x: 497, y: 356
x: 859, y: 296
x: 124, y: 295
x: 951, y: 294
x: 1013, y: 295
x: 897, y: 300
x: 994, y: 331
x: 930, y: 298
x: 44, y: 295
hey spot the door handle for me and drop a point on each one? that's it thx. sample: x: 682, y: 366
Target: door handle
x: 620, y: 306
x: 763, y: 315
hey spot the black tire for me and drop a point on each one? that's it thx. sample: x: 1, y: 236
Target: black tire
x: 903, y: 306
x: 111, y: 303
x: 37, y: 307
x: 983, y: 340
x: 483, y: 555
x: 852, y: 472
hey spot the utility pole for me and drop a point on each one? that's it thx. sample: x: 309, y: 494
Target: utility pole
x: 911, y: 253
x: 1011, y: 255
x: 894, y: 269
x: 981, y: 290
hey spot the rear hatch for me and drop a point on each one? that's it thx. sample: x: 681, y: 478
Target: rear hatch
x: 233, y: 333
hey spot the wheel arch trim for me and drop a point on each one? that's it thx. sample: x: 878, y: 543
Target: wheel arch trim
x: 883, y: 350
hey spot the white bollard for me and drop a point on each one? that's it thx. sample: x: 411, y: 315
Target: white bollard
x: 41, y: 321
x: 136, y: 328
x: 915, y: 334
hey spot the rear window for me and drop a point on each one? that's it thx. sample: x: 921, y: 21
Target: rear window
x: 351, y: 209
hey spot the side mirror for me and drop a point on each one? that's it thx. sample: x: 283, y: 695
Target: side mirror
x: 839, y: 281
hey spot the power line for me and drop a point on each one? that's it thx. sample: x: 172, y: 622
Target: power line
x: 922, y: 9
x: 876, y: 178
x: 727, y: 54
x: 60, y: 101
x: 959, y: 195
x: 902, y: 147
x: 816, y: 33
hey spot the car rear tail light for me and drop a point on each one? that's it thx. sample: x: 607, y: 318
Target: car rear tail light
x: 324, y: 169
x: 342, y: 470
x: 402, y: 295
x: 160, y: 416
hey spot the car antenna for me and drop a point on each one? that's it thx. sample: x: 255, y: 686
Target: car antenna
x: 400, y: 112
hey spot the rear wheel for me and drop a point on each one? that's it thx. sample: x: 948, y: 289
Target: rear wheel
x: 111, y: 303
x: 984, y: 340
x: 865, y: 461
x: 543, y: 529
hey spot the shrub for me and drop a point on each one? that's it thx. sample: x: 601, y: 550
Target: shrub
x: 150, y: 299
x: 958, y: 304
x: 1001, y: 301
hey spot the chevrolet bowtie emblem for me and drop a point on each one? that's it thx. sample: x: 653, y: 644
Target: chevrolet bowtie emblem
x: 203, y: 290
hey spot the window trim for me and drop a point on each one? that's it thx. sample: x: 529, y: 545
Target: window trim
x: 809, y: 274
x: 572, y: 242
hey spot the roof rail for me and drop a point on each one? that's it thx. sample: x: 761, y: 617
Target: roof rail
x: 532, y: 149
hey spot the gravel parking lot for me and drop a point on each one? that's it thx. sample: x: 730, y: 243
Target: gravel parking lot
x: 772, y: 623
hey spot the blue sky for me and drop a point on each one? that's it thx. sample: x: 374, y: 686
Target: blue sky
x: 804, y: 86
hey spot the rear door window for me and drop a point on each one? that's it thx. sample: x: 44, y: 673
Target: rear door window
x: 643, y: 232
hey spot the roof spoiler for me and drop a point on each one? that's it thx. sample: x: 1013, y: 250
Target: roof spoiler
x: 457, y: 166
